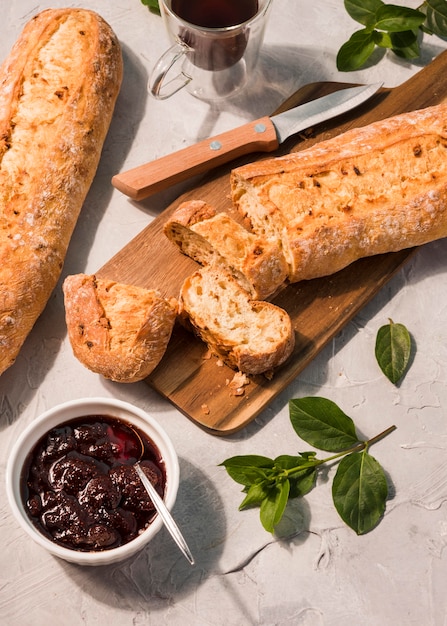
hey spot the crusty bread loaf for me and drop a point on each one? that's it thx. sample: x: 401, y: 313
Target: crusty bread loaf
x: 58, y: 89
x: 376, y: 189
x: 251, y: 336
x: 116, y: 330
x: 212, y: 238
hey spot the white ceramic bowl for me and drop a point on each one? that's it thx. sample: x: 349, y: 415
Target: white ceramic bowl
x: 80, y: 408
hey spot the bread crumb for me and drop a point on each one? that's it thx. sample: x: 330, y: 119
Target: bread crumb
x: 237, y: 384
x: 205, y: 409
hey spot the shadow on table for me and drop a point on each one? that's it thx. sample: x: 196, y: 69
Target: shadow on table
x: 159, y: 576
x: 160, y: 572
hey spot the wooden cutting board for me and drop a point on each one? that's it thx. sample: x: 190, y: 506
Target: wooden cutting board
x: 196, y: 384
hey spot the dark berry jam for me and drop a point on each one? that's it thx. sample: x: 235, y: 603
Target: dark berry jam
x: 79, y: 486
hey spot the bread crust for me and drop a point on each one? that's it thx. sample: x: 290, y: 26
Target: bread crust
x: 119, y: 331
x: 212, y: 238
x: 377, y: 189
x: 58, y: 88
x: 251, y: 336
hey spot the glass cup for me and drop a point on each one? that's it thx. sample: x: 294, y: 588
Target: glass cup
x: 211, y: 62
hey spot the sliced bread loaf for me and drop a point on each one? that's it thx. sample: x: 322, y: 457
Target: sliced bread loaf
x: 371, y: 190
x: 251, y: 336
x: 212, y: 238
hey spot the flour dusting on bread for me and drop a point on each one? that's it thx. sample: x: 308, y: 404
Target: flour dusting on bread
x: 376, y: 189
x: 58, y: 88
x: 117, y: 330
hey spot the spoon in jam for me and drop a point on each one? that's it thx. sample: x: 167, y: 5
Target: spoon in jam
x: 161, y: 508
x: 165, y: 515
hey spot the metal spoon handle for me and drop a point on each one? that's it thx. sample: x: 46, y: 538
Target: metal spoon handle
x: 165, y: 515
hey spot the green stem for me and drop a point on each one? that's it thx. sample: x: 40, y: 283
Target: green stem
x: 362, y: 445
x: 382, y: 435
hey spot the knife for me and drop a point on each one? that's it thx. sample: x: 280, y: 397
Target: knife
x: 262, y: 135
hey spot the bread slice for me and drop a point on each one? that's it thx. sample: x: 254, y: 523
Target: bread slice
x: 212, y: 238
x: 251, y: 336
x: 119, y: 331
x: 371, y: 190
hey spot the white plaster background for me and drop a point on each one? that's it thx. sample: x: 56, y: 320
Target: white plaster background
x: 323, y: 574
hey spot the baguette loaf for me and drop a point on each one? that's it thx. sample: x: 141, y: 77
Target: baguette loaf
x: 212, y: 238
x: 251, y: 336
x: 371, y: 190
x: 116, y: 330
x: 58, y: 89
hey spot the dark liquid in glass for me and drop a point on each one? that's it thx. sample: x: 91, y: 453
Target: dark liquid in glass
x: 220, y: 50
x: 215, y: 13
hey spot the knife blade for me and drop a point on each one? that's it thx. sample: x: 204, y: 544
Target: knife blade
x: 262, y: 135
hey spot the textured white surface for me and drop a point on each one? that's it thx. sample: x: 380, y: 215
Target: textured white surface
x: 324, y: 575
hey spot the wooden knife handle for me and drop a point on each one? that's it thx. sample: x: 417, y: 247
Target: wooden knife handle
x: 145, y: 180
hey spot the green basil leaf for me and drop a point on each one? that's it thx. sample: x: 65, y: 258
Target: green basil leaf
x: 153, y: 5
x: 254, y: 460
x: 359, y: 491
x: 272, y: 507
x: 406, y: 44
x: 436, y: 17
x: 363, y: 11
x: 289, y: 462
x: 406, y: 39
x: 393, y: 350
x: 392, y: 18
x: 322, y: 424
x: 249, y: 468
x: 356, y: 51
x: 303, y: 482
x: 309, y: 455
x: 247, y: 475
x: 383, y: 40
x: 285, y: 461
x: 256, y: 493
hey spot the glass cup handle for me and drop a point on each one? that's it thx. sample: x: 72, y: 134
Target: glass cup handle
x: 160, y: 85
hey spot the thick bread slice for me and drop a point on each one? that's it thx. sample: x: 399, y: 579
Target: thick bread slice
x: 116, y: 330
x: 212, y: 238
x: 376, y: 189
x: 248, y: 335
x: 58, y: 89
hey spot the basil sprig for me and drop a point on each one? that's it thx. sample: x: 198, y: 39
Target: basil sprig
x: 390, y: 26
x: 359, y: 488
x: 393, y: 350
